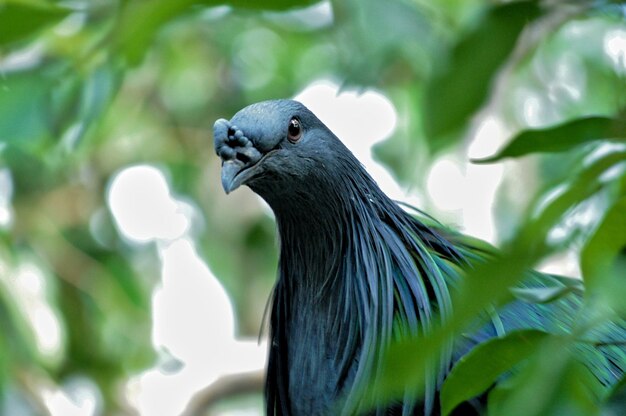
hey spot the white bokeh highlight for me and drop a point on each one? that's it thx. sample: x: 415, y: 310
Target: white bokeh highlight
x: 193, y: 319
x: 364, y: 118
x: 144, y: 210
x: 28, y: 287
x: 615, y: 48
x: 6, y: 195
x: 360, y: 119
x: 78, y: 396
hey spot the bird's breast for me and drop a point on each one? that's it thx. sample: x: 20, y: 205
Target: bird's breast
x: 318, y: 372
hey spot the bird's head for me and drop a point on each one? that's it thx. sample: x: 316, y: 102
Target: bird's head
x: 276, y: 146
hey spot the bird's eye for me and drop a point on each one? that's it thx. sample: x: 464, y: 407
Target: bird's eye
x: 294, y: 131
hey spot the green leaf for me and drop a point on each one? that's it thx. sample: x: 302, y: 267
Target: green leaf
x: 603, y: 248
x: 141, y: 20
x: 111, y: 266
x: 616, y: 399
x: 479, y: 369
x: 457, y: 91
x: 541, y: 294
x: 25, y: 113
x: 486, y: 284
x: 22, y: 19
x: 18, y: 339
x: 98, y: 91
x: 603, y: 258
x: 561, y: 138
x: 4, y: 369
x: 363, y: 26
x: 269, y: 4
x: 553, y: 382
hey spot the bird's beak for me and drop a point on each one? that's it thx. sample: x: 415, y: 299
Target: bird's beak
x: 238, y: 154
x: 231, y: 175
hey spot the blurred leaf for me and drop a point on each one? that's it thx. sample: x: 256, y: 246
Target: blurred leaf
x: 184, y: 176
x: 553, y: 382
x: 561, y: 138
x: 267, y: 4
x: 5, y: 355
x: 98, y: 91
x: 598, y: 258
x: 22, y: 19
x: 25, y: 110
x: 110, y: 265
x: 479, y: 369
x: 45, y: 114
x: 85, y: 104
x: 141, y: 20
x: 616, y: 400
x: 125, y: 277
x: 486, y: 284
x: 18, y: 339
x: 603, y: 260
x: 541, y: 294
x: 30, y: 174
x: 394, y: 55
x: 461, y: 87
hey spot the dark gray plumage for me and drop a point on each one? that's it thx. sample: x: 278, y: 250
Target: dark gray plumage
x: 355, y: 269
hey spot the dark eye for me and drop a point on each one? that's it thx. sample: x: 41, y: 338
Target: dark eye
x: 294, y: 131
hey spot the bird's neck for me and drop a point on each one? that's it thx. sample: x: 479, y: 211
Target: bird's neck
x: 320, y: 330
x: 317, y: 229
x: 346, y: 249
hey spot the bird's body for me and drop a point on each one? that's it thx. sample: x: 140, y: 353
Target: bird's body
x: 356, y: 270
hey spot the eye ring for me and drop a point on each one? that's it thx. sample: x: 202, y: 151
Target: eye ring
x: 294, y: 130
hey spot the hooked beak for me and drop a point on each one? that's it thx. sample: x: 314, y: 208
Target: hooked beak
x: 239, y: 155
x: 230, y: 169
x: 234, y: 174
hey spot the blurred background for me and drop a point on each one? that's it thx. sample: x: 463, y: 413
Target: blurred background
x: 130, y: 284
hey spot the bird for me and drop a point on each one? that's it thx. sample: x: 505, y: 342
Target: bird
x: 356, y: 269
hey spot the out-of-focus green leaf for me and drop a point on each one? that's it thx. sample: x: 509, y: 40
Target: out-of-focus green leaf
x: 268, y: 4
x: 25, y: 113
x: 127, y: 280
x: 541, y: 294
x: 30, y: 174
x: 616, y: 400
x: 598, y: 259
x: 22, y: 19
x: 561, y: 138
x: 43, y: 107
x: 553, y: 382
x: 19, y: 340
x: 92, y: 100
x: 398, y: 54
x: 98, y: 90
x: 486, y: 284
x: 141, y: 20
x: 4, y: 371
x: 480, y: 368
x: 603, y: 261
x: 112, y: 266
x: 461, y: 87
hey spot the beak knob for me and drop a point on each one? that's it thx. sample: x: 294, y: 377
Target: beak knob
x: 236, y: 151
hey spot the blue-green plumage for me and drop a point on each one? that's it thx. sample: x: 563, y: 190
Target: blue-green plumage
x: 356, y: 269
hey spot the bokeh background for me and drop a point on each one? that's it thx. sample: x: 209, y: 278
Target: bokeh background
x: 130, y: 284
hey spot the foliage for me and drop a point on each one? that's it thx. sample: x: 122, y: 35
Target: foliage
x: 90, y: 87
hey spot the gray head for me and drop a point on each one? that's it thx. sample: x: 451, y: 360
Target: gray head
x: 275, y: 145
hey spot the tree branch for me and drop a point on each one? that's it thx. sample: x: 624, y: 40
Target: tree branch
x: 223, y: 388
